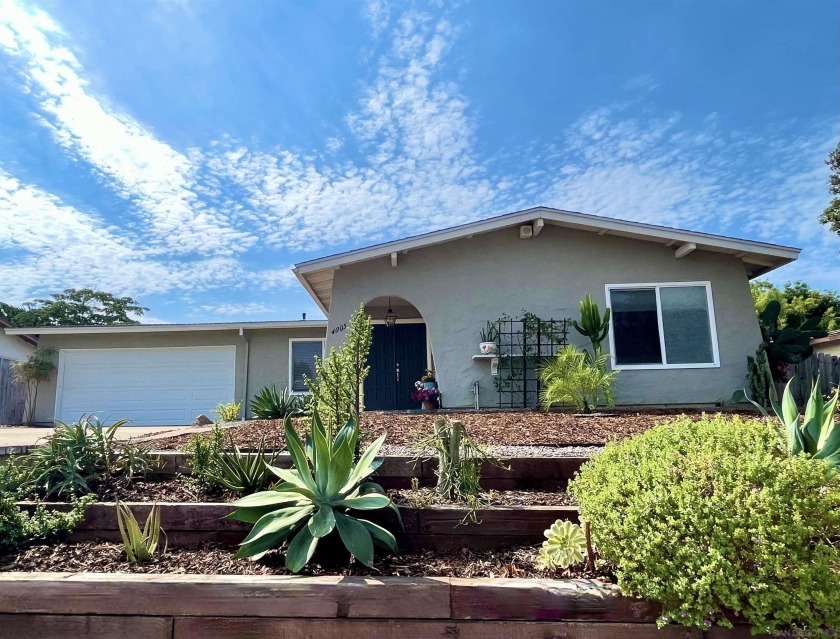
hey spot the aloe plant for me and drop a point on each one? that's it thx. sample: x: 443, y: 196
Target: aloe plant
x: 139, y: 545
x: 318, y: 497
x: 240, y: 472
x: 817, y: 434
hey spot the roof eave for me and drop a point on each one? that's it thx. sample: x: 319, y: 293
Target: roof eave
x: 164, y: 328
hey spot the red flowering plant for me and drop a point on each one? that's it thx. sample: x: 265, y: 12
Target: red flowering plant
x: 425, y: 394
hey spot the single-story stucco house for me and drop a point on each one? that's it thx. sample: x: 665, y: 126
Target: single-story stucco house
x: 683, y: 321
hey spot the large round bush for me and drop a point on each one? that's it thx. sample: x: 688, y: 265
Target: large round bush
x: 711, y: 516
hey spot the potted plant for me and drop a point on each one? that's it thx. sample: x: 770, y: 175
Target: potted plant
x: 489, y: 334
x: 429, y: 380
x: 430, y: 397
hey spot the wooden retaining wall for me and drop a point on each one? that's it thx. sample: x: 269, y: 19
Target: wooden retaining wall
x: 437, y: 529
x: 541, y: 473
x: 104, y: 606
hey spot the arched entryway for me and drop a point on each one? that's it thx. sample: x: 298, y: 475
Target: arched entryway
x: 399, y: 354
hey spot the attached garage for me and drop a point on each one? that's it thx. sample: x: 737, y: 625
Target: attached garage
x: 149, y: 386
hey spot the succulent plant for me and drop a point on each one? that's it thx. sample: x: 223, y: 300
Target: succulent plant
x: 592, y: 325
x: 318, y: 497
x: 817, y: 434
x: 564, y: 546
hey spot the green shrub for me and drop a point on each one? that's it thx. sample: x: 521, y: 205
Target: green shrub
x: 76, y: 457
x: 19, y: 528
x: 269, y: 404
x: 228, y: 412
x: 711, y: 516
x: 203, y: 451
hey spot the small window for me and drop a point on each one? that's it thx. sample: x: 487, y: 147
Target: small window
x: 302, y: 361
x: 662, y: 325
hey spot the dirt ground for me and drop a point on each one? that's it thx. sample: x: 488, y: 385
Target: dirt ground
x: 216, y: 559
x: 489, y: 428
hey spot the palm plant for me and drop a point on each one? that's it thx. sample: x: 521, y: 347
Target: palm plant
x: 571, y: 378
x: 317, y: 497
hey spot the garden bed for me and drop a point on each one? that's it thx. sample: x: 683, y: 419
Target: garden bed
x: 542, y: 473
x: 442, y: 528
x: 180, y: 489
x: 487, y: 427
x: 209, y: 558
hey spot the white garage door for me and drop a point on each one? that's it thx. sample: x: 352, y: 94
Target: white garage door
x: 149, y: 386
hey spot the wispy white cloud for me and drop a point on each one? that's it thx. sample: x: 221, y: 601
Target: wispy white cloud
x: 151, y: 174
x: 416, y: 166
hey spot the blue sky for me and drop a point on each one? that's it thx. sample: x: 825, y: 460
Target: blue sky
x: 187, y: 153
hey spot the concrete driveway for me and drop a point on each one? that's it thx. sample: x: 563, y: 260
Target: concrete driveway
x: 27, y: 437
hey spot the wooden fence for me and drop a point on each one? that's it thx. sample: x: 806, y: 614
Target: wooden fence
x: 12, y: 395
x: 827, y: 367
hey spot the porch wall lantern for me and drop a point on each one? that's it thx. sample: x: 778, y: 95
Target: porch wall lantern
x: 390, y: 316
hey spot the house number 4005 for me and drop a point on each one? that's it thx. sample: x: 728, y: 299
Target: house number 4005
x: 338, y: 329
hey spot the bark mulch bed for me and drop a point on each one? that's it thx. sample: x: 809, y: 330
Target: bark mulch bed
x: 172, y: 489
x: 488, y: 428
x: 217, y: 559
x: 180, y: 489
x: 426, y: 497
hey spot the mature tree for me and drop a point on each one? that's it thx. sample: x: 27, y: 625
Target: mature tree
x: 799, y: 303
x: 74, y: 307
x: 831, y: 215
x: 30, y: 373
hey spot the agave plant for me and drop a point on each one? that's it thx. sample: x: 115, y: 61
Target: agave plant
x: 817, y: 435
x: 319, y: 496
x: 240, y: 472
x: 563, y: 546
x: 269, y: 404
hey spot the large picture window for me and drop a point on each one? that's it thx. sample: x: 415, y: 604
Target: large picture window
x: 662, y: 325
x: 302, y: 354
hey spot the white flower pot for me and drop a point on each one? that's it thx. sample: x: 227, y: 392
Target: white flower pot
x: 487, y: 348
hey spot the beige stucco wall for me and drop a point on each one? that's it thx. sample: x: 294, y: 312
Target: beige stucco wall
x: 459, y: 285
x: 13, y: 347
x: 829, y: 349
x: 267, y: 356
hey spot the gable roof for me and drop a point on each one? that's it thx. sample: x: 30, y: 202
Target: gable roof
x: 758, y: 257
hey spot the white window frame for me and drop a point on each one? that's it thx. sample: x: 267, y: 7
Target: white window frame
x: 292, y: 340
x: 656, y: 286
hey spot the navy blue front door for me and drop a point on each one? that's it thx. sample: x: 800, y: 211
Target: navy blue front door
x: 397, y: 360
